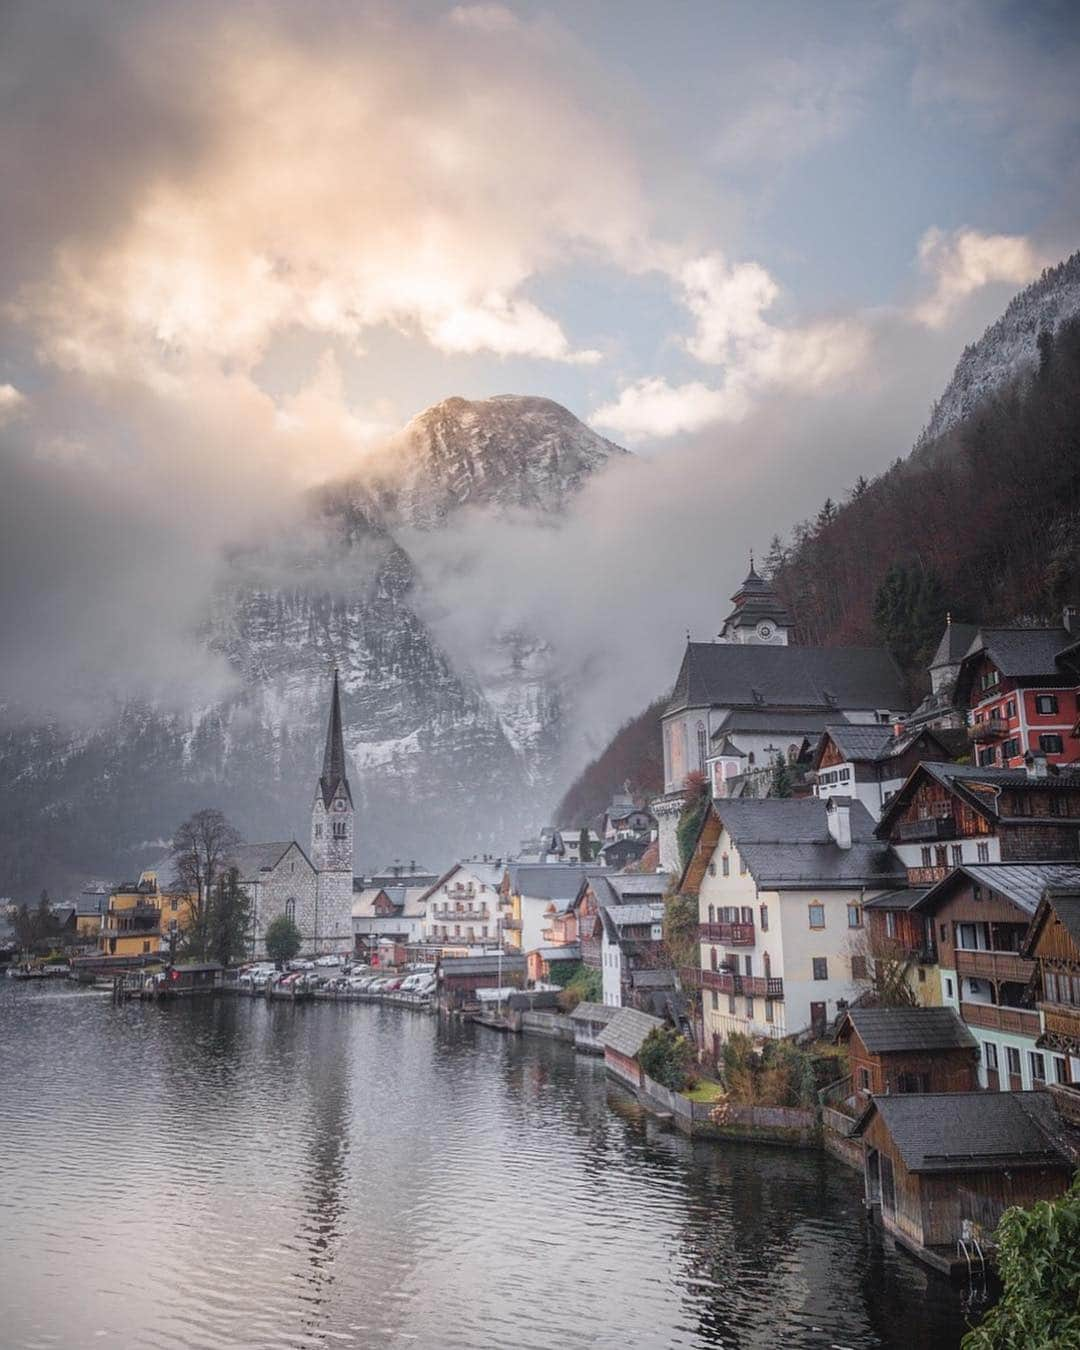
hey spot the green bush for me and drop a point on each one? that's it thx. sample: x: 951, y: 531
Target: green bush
x: 667, y: 1057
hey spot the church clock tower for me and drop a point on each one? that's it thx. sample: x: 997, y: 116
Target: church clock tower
x: 332, y: 838
x: 759, y: 616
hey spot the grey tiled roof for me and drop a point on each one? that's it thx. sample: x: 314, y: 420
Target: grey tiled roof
x: 968, y: 1131
x: 635, y: 915
x: 1066, y: 905
x: 874, y: 744
x: 627, y: 1030
x: 1022, y: 883
x: 658, y: 978
x: 786, y: 845
x: 893, y: 1030
x: 593, y: 1012
x: 253, y: 860
x: 907, y: 898
x: 549, y: 881
x: 481, y: 965
x: 750, y: 675
x: 1021, y: 653
x: 627, y: 885
x: 569, y: 951
x: 780, y: 723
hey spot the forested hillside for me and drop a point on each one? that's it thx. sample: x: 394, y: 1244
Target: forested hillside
x: 983, y: 521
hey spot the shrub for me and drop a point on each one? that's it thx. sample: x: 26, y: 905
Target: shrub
x: 667, y: 1057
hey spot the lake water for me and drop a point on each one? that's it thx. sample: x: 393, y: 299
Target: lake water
x: 227, y: 1173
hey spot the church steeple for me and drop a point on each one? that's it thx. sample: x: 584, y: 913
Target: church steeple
x: 759, y: 616
x: 333, y: 771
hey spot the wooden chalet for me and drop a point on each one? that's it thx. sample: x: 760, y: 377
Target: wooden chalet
x: 1053, y: 943
x: 943, y: 1167
x: 946, y: 815
x: 459, y: 977
x: 871, y: 762
x: 622, y: 1039
x: 908, y: 1050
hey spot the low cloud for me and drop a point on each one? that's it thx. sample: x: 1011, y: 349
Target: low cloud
x: 960, y: 262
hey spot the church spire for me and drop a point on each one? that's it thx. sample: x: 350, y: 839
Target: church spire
x: 333, y: 771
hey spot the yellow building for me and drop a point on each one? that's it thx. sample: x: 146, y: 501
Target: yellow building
x: 141, y: 919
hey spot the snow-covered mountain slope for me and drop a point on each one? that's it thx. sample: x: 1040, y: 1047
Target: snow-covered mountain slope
x: 1008, y: 345
x: 444, y: 759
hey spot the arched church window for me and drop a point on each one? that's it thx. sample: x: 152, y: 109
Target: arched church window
x: 702, y: 745
x: 339, y: 829
x: 290, y: 910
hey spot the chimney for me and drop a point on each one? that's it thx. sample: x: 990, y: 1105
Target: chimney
x: 1070, y: 619
x: 838, y: 817
x: 1036, y: 765
x: 897, y: 730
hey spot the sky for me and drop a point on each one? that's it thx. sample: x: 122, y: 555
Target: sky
x: 240, y: 245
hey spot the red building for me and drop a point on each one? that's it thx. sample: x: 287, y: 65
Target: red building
x: 1019, y: 687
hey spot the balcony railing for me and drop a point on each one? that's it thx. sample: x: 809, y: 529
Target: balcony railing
x: 729, y: 982
x: 732, y: 934
x: 1061, y: 1019
x: 994, y: 966
x: 447, y: 914
x: 509, y: 922
x: 1020, y: 1021
x: 926, y: 876
x: 933, y: 827
x: 989, y: 730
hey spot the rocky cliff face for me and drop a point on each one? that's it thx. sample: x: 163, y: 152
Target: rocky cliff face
x: 443, y: 760
x: 1008, y: 346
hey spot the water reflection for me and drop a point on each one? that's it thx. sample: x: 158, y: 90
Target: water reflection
x: 253, y: 1175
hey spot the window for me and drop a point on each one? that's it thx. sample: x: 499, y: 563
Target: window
x: 1010, y: 709
x: 318, y: 831
x: 990, y: 1055
x: 864, y: 1079
x: 983, y: 851
x: 750, y: 759
x: 927, y: 856
x: 764, y: 918
x: 1050, y: 743
x: 986, y: 757
x: 821, y: 968
x: 1059, y: 806
x: 957, y: 854
x: 768, y: 1010
x: 858, y: 968
x: 1012, y: 1060
x: 748, y: 964
x: 1010, y: 748
x: 173, y: 903
x: 890, y: 924
x: 948, y: 988
x: 1022, y: 805
x: 715, y: 1001
x: 339, y: 829
x: 854, y: 916
x: 701, y: 745
x: 145, y: 947
x: 712, y: 869
x: 747, y: 916
x: 1045, y: 704
x: 817, y: 916
x: 1038, y: 1066
x: 290, y: 910
x: 943, y: 930
x: 989, y: 678
x: 941, y: 856
x: 731, y: 1004
x: 1061, y: 1071
x: 742, y: 867
x: 1050, y: 986
x: 725, y: 864
x: 913, y: 1082
x: 712, y: 958
x: 172, y: 925
x: 750, y: 1008
x: 712, y: 913
x: 922, y: 974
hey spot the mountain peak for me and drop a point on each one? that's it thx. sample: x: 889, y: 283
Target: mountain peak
x: 510, y: 451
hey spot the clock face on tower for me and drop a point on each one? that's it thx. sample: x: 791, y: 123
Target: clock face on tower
x: 339, y: 805
x: 765, y: 631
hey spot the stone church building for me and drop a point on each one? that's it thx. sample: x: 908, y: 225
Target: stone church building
x: 315, y: 889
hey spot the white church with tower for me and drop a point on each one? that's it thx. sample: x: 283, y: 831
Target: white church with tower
x: 314, y: 888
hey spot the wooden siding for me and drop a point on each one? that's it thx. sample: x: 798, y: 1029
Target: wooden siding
x: 944, y: 1070
x: 960, y: 906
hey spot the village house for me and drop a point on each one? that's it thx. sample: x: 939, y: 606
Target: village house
x: 780, y: 886
x: 461, y: 910
x: 756, y: 693
x: 1053, y: 943
x: 622, y: 1039
x: 941, y: 1167
x: 398, y: 873
x: 540, y: 961
x: 900, y: 944
x: 981, y: 914
x: 1019, y: 689
x: 908, y: 1050
x: 460, y: 978
x: 395, y: 913
x: 625, y: 852
x: 870, y: 763
x: 132, y: 923
x: 947, y: 815
x: 528, y: 892
x: 937, y: 711
x: 90, y: 908
x: 626, y: 819
x: 621, y: 949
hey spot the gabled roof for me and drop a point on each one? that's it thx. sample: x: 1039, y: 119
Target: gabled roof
x: 752, y: 675
x: 786, y: 844
x: 593, y: 1012
x: 333, y: 773
x: 627, y: 1030
x: 978, y: 788
x: 1058, y: 902
x: 549, y: 881
x: 481, y: 965
x: 253, y: 861
x: 767, y: 723
x: 1021, y: 883
x: 887, y: 1031
x: 904, y: 899
x: 570, y: 951
x: 488, y: 874
x: 872, y: 743
x: 1021, y: 653
x: 968, y: 1131
x: 635, y: 916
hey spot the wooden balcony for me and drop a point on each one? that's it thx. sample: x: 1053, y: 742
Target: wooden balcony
x: 1062, y: 1021
x: 447, y: 914
x: 1020, y: 1021
x: 920, y: 831
x: 729, y: 934
x: 728, y: 982
x: 994, y: 966
x: 926, y: 876
x: 989, y: 730
x: 1067, y: 1100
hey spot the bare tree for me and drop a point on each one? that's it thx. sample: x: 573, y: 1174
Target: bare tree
x: 885, y: 963
x: 203, y: 849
